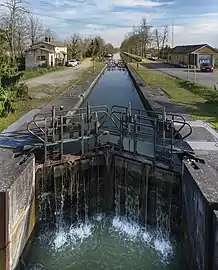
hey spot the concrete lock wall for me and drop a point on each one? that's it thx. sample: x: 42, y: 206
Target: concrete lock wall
x: 17, y: 209
x: 201, y: 229
x: 215, y: 236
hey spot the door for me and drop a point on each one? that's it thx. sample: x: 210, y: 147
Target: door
x: 52, y: 60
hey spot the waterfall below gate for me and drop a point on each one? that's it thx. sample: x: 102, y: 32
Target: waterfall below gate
x: 75, y: 232
x: 107, y: 214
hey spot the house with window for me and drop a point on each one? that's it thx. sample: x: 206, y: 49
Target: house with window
x: 193, y: 55
x: 45, y: 54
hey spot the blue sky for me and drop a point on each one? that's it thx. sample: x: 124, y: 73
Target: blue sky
x: 196, y: 21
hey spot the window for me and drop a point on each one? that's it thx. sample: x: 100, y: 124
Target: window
x: 41, y: 58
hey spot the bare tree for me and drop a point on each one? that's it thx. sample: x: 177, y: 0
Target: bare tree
x: 75, y: 45
x: 158, y: 40
x: 49, y: 33
x: 145, y: 35
x: 165, y: 38
x: 35, y: 30
x: 13, y: 11
x: 20, y: 37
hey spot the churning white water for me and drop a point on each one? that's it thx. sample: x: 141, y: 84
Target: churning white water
x: 103, y: 243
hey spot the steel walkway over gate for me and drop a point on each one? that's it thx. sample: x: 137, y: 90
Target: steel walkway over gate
x: 150, y: 134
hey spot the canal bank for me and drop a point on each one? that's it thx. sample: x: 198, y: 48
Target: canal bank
x: 17, y: 178
x: 133, y: 201
x: 113, y: 183
x: 199, y: 179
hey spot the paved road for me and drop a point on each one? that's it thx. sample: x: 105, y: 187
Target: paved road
x: 59, y: 77
x: 206, y: 79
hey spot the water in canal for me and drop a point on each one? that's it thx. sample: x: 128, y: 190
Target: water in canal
x: 104, y: 242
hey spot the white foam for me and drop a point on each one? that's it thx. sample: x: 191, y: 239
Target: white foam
x: 98, y: 217
x: 81, y: 232
x: 125, y: 227
x: 163, y: 246
x: 146, y: 237
x: 60, y: 239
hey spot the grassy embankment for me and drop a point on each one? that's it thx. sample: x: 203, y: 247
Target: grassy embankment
x: 36, y: 72
x: 201, y: 102
x: 50, y: 92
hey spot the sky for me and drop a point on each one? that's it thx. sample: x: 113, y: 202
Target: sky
x: 195, y: 21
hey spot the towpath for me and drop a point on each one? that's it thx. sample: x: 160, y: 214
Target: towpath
x: 59, y: 77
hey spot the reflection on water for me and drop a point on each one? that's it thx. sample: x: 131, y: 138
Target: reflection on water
x: 103, y: 243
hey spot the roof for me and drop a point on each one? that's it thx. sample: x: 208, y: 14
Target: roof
x: 190, y: 48
x: 55, y: 44
x: 43, y: 49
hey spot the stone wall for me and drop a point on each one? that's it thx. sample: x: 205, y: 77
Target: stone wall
x: 17, y: 211
x: 215, y: 261
x: 200, y: 222
x: 195, y: 206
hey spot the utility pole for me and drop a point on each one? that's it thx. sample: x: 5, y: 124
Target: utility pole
x: 195, y: 63
x: 188, y: 67
x: 173, y: 34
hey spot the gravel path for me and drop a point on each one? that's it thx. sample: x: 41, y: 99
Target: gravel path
x: 59, y: 77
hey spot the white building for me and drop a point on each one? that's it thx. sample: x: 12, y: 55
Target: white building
x: 46, y: 54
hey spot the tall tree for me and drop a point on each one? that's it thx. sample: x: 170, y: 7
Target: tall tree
x: 35, y: 31
x: 14, y: 10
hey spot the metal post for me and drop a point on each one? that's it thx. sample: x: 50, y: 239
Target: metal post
x: 53, y: 123
x: 82, y: 134
x: 155, y: 139
x: 171, y: 142
x: 164, y: 122
x: 121, y: 132
x: 194, y: 74
x: 88, y: 112
x: 188, y: 67
x: 45, y: 141
x: 96, y: 128
x: 134, y: 135
x: 62, y: 136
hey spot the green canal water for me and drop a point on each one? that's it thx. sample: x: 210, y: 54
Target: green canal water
x: 103, y: 243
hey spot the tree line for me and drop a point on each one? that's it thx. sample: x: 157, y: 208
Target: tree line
x: 79, y: 47
x: 145, y: 40
x: 21, y: 28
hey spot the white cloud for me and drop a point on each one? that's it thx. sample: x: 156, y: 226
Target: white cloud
x: 202, y: 30
x: 143, y: 3
x: 108, y: 19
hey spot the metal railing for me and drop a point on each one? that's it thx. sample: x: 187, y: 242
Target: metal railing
x: 129, y: 128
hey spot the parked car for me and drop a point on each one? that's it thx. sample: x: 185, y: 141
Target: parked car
x: 180, y: 64
x: 205, y: 67
x: 72, y: 63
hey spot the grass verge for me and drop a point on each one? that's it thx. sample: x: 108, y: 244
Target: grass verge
x: 29, y: 74
x: 201, y: 102
x: 24, y: 106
